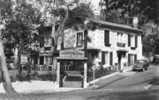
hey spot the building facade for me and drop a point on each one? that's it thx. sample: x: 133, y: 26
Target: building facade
x: 109, y: 45
x: 115, y: 44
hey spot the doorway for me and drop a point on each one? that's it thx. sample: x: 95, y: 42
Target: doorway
x: 121, y: 55
x: 71, y: 74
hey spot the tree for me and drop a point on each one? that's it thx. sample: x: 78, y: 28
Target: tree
x: 71, y: 18
x: 5, y: 9
x: 123, y: 11
x: 62, y: 15
x: 144, y: 9
x: 21, y: 27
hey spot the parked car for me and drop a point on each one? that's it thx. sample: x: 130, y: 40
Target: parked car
x: 73, y: 79
x: 156, y: 59
x: 141, y: 65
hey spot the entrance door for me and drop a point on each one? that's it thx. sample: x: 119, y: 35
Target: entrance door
x: 121, y: 54
x: 71, y: 74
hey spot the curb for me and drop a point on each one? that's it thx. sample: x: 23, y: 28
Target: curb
x: 128, y: 69
x: 107, y: 76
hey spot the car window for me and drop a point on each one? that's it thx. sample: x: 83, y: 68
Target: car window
x: 140, y: 61
x: 73, y: 78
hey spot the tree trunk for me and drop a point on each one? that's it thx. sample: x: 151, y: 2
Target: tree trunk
x: 60, y: 31
x: 19, y: 61
x: 5, y: 74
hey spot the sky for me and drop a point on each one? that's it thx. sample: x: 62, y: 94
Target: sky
x: 94, y: 5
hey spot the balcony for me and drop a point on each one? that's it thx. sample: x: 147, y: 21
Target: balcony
x: 121, y: 44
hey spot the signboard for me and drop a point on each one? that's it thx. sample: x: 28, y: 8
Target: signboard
x: 72, y: 53
x: 69, y: 39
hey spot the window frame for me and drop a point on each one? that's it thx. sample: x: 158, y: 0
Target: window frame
x: 107, y: 40
x: 79, y: 43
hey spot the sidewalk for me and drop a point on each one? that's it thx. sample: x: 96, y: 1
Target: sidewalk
x: 35, y: 86
x: 109, y: 79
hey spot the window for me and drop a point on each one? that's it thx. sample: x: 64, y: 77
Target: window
x: 129, y: 41
x: 120, y: 40
x: 79, y: 39
x: 131, y: 59
x: 41, y: 60
x: 48, y: 60
x: 135, y: 58
x: 120, y: 37
x: 136, y: 41
x: 111, y: 58
x: 106, y: 37
x: 105, y: 58
x: 47, y: 48
x: 132, y: 41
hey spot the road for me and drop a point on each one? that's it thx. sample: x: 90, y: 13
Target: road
x: 129, y: 79
x: 134, y: 86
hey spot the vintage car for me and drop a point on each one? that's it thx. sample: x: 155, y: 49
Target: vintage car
x: 141, y: 65
x: 73, y: 79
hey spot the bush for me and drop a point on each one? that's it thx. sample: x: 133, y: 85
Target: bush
x: 98, y: 73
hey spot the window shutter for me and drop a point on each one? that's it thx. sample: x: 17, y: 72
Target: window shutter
x: 129, y: 59
x: 129, y: 40
x: 135, y: 58
x: 136, y: 41
x: 111, y: 58
x: 106, y: 38
x: 41, y: 60
x: 103, y: 58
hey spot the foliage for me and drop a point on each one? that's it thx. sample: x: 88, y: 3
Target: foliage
x: 76, y: 18
x: 144, y: 9
x: 20, y: 27
x: 151, y: 44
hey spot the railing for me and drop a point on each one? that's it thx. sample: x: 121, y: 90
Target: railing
x: 121, y: 44
x: 45, y: 68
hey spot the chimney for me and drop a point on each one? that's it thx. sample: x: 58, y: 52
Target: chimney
x: 135, y: 22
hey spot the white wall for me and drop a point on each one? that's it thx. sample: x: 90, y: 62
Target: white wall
x: 97, y: 41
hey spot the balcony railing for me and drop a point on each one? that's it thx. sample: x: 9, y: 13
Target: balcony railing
x: 121, y: 44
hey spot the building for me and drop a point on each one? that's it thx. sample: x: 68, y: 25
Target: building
x: 108, y: 45
x: 111, y: 43
x: 42, y: 54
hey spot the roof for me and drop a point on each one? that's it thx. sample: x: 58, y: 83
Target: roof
x: 115, y: 26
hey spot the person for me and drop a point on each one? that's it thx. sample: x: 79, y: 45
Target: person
x: 116, y: 67
x: 123, y: 63
x: 97, y: 63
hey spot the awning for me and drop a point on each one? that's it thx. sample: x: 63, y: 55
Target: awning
x: 122, y: 50
x: 93, y: 49
x: 46, y: 54
x: 72, y: 58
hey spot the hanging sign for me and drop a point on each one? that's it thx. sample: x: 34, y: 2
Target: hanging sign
x: 72, y: 53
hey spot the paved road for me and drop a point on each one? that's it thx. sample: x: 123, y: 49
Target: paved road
x: 101, y: 94
x: 129, y: 79
x: 133, y: 86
